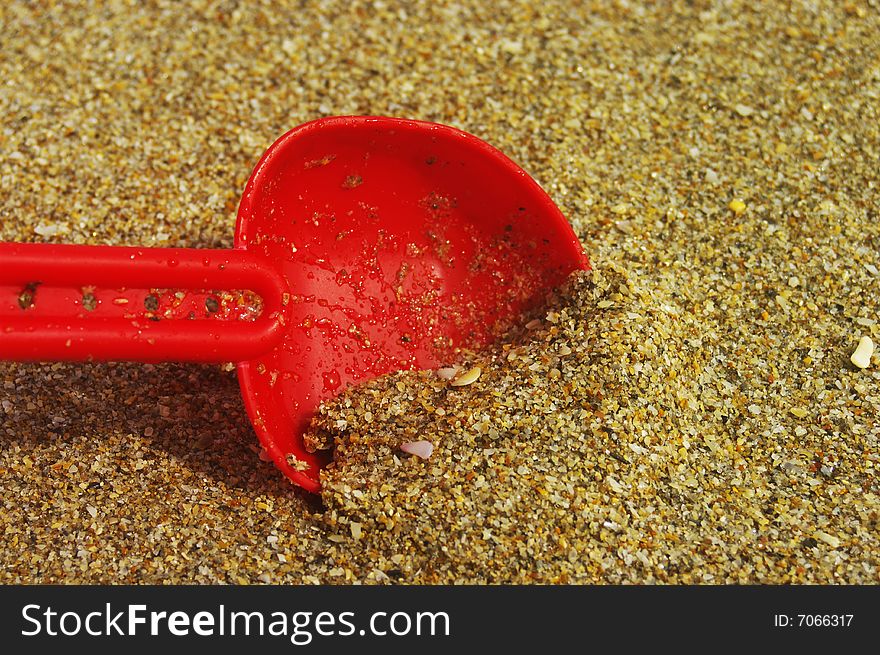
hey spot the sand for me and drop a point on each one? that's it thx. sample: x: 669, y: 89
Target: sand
x: 687, y: 414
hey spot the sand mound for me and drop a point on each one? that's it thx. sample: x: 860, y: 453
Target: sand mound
x: 605, y: 442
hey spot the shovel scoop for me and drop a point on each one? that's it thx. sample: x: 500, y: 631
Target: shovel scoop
x: 364, y: 245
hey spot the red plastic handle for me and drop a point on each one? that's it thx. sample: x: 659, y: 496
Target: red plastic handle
x: 76, y: 303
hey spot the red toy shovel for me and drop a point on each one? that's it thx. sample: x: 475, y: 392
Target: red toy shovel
x: 364, y: 245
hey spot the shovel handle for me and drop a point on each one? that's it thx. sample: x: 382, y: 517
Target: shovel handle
x: 102, y: 303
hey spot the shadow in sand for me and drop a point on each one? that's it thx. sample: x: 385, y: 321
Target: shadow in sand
x: 192, y: 412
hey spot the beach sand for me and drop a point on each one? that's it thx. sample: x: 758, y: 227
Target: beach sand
x: 687, y: 413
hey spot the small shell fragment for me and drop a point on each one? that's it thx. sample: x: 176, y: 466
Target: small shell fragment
x: 862, y: 355
x: 421, y: 449
x: 468, y: 377
x: 447, y: 373
x: 829, y: 539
